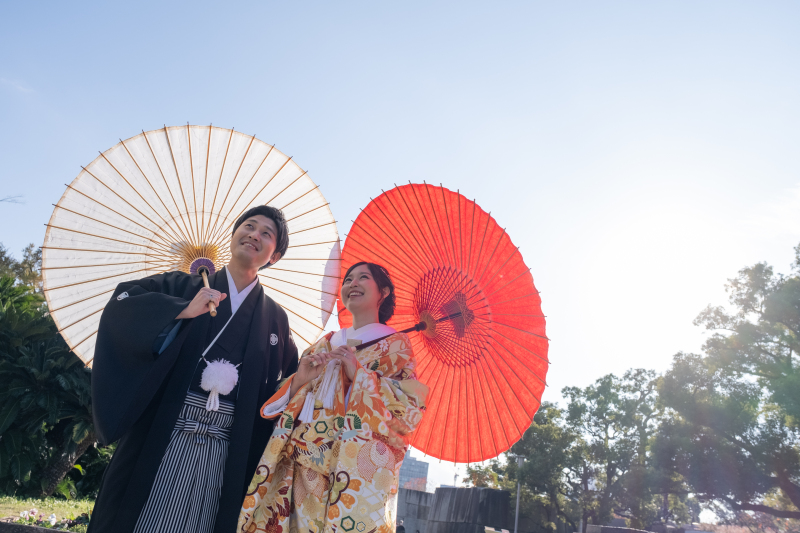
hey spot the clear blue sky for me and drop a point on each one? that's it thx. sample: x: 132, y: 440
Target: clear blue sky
x: 639, y: 153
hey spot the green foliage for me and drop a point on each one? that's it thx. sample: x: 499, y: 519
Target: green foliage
x: 45, y: 395
x: 735, y: 436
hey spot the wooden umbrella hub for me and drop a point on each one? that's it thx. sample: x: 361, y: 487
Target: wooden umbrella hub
x: 445, y: 292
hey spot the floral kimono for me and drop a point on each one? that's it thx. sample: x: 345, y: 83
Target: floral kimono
x: 333, y: 461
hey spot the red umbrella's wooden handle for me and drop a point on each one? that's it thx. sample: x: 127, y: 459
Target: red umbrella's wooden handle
x: 211, y: 307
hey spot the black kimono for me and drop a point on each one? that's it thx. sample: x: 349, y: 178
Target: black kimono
x: 138, y: 394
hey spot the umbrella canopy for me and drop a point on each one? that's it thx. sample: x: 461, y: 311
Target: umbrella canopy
x: 486, y: 368
x: 167, y: 200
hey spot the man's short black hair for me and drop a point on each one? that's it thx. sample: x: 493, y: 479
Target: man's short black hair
x: 274, y: 214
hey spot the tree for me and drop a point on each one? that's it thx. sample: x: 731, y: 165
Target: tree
x: 735, y: 436
x: 45, y: 399
x: 617, y: 417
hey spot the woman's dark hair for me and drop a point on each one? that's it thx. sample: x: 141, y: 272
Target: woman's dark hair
x: 382, y: 279
x: 274, y: 214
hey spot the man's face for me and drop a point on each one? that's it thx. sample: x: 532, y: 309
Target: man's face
x: 254, y: 241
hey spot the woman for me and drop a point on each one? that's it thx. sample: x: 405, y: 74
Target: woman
x: 333, y: 461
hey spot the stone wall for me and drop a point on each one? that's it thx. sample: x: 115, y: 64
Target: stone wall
x: 413, y: 507
x: 453, y: 510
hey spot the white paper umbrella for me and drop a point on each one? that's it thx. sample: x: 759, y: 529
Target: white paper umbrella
x: 160, y: 201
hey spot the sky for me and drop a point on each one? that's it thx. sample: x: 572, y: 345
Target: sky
x: 638, y: 153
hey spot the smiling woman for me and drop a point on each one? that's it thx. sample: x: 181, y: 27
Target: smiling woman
x: 345, y: 420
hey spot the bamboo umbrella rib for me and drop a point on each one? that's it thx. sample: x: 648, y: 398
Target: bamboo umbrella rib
x: 447, y: 412
x: 499, y: 240
x: 195, y: 240
x: 289, y: 310
x: 222, y: 229
x: 194, y: 194
x: 307, y: 212
x: 483, y: 241
x: 311, y: 244
x: 166, y: 209
x: 83, y: 318
x: 434, y: 249
x: 307, y: 273
x: 84, y: 339
x: 297, y: 285
x: 110, y: 209
x: 97, y: 279
x: 435, y: 258
x: 227, y: 194
x: 471, y: 233
x: 121, y: 198
x: 379, y: 256
x: 460, y: 242
x: 166, y: 184
x: 304, y: 339
x: 508, y: 283
x: 521, y: 330
x: 540, y: 380
x: 251, y: 177
x: 93, y: 266
x: 81, y: 300
x: 109, y: 225
x: 436, y: 217
x: 497, y: 270
x: 408, y: 214
x: 309, y: 229
x: 293, y: 297
x: 314, y: 188
x: 391, y: 239
x: 495, y: 361
x: 219, y: 181
x: 519, y: 314
x: 205, y: 181
x: 495, y: 304
x: 93, y: 235
x: 491, y: 371
x: 135, y: 190
x: 449, y: 224
x: 512, y: 341
x: 98, y: 251
x: 298, y: 178
x: 475, y: 384
x: 494, y: 402
x: 408, y: 228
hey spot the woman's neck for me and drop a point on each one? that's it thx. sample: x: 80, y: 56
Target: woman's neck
x: 361, y: 319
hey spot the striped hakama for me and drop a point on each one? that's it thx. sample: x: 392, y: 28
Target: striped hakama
x: 186, y: 492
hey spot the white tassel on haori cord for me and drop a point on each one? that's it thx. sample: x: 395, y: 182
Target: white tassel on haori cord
x: 219, y: 377
x: 326, y: 392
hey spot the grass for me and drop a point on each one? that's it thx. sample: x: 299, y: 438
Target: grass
x: 11, y: 506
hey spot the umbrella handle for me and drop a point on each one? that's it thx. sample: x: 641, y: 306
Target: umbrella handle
x: 203, y: 271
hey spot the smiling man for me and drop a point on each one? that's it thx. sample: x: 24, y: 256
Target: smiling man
x: 180, y: 390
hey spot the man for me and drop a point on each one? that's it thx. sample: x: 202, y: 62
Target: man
x: 189, y: 438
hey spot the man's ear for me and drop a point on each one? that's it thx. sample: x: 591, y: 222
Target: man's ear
x: 275, y: 258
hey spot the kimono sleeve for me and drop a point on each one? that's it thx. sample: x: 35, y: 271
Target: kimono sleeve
x: 390, y: 388
x: 128, y: 346
x: 138, y: 313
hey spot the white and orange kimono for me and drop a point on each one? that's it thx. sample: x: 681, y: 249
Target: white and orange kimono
x: 333, y: 461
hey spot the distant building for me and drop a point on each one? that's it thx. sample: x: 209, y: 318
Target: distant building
x: 413, y: 474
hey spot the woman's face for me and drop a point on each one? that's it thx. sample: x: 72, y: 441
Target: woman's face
x: 360, y: 292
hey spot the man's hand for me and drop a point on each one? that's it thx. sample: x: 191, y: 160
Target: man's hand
x: 199, y: 303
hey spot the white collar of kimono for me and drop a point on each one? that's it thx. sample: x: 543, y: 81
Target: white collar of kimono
x: 367, y: 333
x: 235, y: 296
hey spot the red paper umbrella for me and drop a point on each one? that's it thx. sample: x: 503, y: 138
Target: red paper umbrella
x: 486, y: 368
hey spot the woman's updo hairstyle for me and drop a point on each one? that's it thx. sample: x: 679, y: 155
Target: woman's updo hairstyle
x: 382, y: 279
